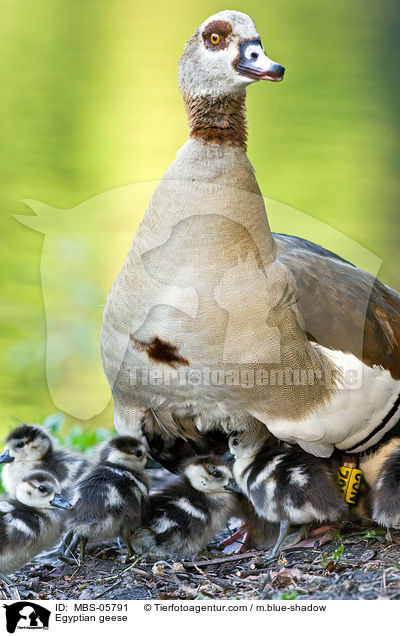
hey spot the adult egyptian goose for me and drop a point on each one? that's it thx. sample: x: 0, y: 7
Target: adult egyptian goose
x: 215, y: 319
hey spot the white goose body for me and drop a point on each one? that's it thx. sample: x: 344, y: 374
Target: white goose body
x: 208, y: 294
x: 355, y: 418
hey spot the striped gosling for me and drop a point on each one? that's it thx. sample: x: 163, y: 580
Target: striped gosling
x: 285, y: 485
x: 29, y: 524
x: 30, y: 448
x: 186, y: 515
x: 109, y: 501
x: 385, y: 494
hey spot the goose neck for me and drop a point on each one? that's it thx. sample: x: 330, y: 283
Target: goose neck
x: 217, y: 119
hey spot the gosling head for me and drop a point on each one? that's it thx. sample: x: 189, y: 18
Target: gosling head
x: 207, y: 473
x: 26, y: 443
x: 223, y: 56
x: 39, y: 489
x: 127, y: 451
x: 246, y: 444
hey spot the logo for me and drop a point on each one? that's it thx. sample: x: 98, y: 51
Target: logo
x: 26, y: 615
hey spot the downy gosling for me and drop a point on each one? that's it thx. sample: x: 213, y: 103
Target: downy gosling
x: 285, y: 485
x: 385, y: 494
x: 30, y: 448
x: 109, y: 502
x: 184, y: 517
x: 29, y: 523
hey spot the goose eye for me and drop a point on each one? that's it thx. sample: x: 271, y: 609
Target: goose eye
x: 42, y: 488
x: 235, y: 442
x: 215, y: 38
x: 217, y: 474
x: 139, y: 454
x: 19, y: 445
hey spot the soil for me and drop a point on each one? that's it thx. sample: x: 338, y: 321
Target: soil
x: 359, y: 564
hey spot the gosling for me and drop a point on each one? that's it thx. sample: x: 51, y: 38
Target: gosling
x: 385, y: 495
x: 184, y: 517
x: 30, y: 448
x: 285, y: 485
x: 109, y: 502
x: 28, y: 523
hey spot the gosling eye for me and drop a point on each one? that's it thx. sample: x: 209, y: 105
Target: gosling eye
x: 19, y: 445
x: 42, y: 488
x: 215, y: 39
x: 139, y: 453
x: 217, y: 474
x: 235, y: 442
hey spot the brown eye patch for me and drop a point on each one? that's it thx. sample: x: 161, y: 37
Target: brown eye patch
x: 217, y: 35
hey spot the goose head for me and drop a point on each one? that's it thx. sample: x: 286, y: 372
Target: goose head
x: 127, y: 451
x: 39, y: 489
x: 209, y: 473
x: 224, y: 55
x: 26, y: 443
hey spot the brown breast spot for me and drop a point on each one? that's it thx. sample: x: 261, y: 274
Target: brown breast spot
x: 160, y: 351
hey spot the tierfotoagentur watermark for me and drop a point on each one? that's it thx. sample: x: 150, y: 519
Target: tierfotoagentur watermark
x: 239, y: 377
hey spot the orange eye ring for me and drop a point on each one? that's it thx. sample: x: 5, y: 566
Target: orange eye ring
x: 215, y: 39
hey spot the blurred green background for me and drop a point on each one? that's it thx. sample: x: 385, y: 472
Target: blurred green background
x: 89, y: 102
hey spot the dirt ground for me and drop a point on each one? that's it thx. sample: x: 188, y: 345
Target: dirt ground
x: 359, y: 564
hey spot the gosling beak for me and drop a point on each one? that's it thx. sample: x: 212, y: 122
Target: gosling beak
x: 150, y: 463
x: 255, y: 64
x: 59, y: 501
x: 233, y: 487
x: 5, y: 458
x: 228, y: 457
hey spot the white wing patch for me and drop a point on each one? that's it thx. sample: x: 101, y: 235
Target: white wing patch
x: 353, y: 413
x: 5, y: 506
x: 113, y: 496
x: 21, y: 526
x: 304, y: 514
x: 298, y: 477
x: 267, y: 471
x: 184, y: 504
x: 163, y: 524
x: 142, y: 487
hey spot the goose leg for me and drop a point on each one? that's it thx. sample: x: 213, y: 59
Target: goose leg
x: 67, y: 539
x: 283, y: 530
x: 69, y: 549
x: 390, y: 538
x: 126, y: 539
x: 83, y: 544
x: 60, y: 549
x: 72, y: 546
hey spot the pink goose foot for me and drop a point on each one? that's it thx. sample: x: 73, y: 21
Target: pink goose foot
x: 239, y: 541
x: 322, y: 534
